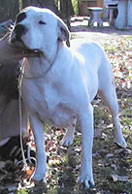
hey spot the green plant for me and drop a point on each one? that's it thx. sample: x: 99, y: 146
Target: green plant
x: 75, y: 4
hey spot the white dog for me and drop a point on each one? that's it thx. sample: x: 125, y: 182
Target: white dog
x: 58, y: 86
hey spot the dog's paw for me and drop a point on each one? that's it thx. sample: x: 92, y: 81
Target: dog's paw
x: 67, y: 141
x: 121, y: 142
x: 39, y: 177
x: 86, y: 180
x: 39, y: 183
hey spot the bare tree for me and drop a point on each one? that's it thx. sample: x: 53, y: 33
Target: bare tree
x: 50, y: 4
x: 66, y: 10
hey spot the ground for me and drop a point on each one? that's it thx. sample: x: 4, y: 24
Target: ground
x: 112, y: 166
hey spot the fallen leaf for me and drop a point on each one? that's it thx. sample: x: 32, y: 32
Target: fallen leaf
x: 30, y: 171
x: 2, y: 164
x: 116, y: 178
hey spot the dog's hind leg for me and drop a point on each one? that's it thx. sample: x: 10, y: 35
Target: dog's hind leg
x: 108, y: 93
x: 111, y: 100
x: 69, y: 136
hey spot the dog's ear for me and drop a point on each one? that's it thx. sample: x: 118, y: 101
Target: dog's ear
x: 64, y: 33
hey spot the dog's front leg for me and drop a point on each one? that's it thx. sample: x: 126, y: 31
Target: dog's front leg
x: 86, y: 121
x: 38, y: 130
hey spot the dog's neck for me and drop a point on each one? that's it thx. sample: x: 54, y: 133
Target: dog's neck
x: 37, y: 68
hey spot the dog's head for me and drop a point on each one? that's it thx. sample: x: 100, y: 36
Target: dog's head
x: 37, y: 28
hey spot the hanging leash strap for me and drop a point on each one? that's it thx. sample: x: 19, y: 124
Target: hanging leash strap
x: 20, y: 112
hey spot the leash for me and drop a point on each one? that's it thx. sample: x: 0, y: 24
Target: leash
x: 20, y: 117
x: 21, y: 131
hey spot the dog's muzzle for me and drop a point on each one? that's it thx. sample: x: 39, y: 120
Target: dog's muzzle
x: 16, y: 40
x: 16, y: 36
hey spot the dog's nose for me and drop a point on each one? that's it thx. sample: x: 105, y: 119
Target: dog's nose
x: 20, y: 30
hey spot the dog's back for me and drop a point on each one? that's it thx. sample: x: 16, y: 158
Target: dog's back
x: 96, y: 69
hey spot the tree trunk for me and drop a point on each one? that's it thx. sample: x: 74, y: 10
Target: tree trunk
x: 66, y: 8
x: 50, y: 4
x: 8, y: 9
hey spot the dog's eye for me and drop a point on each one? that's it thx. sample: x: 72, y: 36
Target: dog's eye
x: 42, y: 22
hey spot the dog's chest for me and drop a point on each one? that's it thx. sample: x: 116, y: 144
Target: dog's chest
x: 45, y: 102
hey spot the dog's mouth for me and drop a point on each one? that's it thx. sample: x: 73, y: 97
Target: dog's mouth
x: 23, y: 49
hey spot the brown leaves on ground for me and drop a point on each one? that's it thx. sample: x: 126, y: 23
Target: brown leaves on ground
x: 120, y: 55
